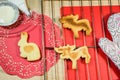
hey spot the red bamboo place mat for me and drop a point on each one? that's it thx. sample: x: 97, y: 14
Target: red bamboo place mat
x: 100, y: 67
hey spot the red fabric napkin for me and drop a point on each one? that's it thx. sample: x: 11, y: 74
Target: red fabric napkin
x: 10, y: 59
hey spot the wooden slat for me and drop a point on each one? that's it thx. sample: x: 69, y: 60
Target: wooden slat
x: 57, y: 72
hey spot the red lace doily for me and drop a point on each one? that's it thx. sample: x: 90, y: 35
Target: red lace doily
x: 10, y: 59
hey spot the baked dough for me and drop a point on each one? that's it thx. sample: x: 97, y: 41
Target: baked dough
x: 69, y: 52
x: 72, y: 22
x: 28, y: 50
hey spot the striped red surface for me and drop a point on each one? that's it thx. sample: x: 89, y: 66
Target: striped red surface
x: 100, y: 67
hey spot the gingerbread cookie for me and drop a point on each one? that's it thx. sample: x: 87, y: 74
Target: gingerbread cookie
x: 69, y: 52
x: 28, y: 50
x: 72, y: 22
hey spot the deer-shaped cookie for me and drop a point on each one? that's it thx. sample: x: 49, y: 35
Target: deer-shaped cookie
x: 72, y: 22
x: 69, y: 52
x: 112, y: 48
x: 28, y: 50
